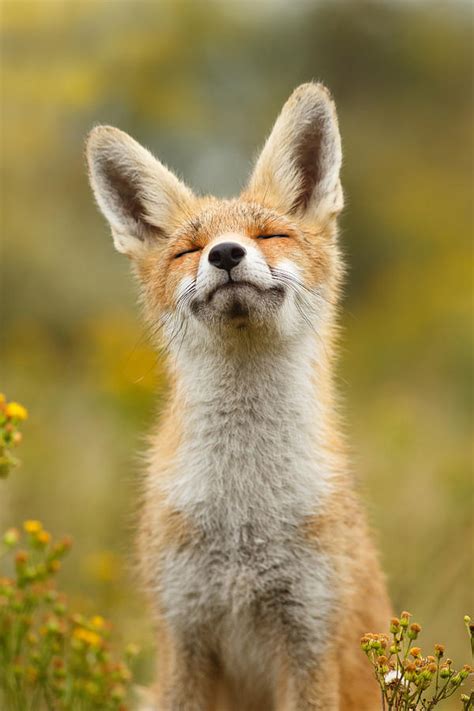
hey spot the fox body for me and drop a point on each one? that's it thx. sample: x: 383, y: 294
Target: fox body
x: 255, y: 553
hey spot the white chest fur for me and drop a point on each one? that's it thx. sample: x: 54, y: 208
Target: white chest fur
x: 251, y: 451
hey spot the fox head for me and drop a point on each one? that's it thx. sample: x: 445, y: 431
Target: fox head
x: 264, y: 263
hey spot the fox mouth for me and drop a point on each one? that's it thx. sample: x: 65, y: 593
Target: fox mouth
x: 239, y: 303
x: 236, y: 286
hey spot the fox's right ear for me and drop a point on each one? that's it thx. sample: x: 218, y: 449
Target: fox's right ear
x: 141, y: 199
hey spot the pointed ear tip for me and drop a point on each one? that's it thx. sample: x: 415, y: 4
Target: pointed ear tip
x: 100, y: 136
x: 317, y: 91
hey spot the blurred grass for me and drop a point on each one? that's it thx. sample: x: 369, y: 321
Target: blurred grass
x: 200, y: 84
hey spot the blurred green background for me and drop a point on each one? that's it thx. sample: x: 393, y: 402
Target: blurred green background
x: 200, y: 83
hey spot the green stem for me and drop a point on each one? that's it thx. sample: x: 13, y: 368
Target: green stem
x: 437, y: 676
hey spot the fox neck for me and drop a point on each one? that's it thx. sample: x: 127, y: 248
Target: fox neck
x: 254, y: 428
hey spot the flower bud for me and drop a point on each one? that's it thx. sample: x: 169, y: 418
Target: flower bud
x: 54, y: 566
x: 394, y: 625
x: 414, y: 631
x: 11, y: 537
x: 21, y: 559
x: 43, y: 538
x: 405, y: 618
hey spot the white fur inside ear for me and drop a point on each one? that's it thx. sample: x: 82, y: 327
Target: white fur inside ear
x: 126, y: 243
x: 298, y: 169
x: 140, y: 198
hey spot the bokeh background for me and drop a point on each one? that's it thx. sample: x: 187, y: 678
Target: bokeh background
x: 200, y: 83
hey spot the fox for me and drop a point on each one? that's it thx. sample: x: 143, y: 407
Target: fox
x: 254, y: 547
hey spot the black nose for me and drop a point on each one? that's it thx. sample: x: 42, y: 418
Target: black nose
x: 226, y: 255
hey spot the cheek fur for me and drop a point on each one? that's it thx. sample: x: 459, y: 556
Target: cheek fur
x: 313, y: 259
x: 303, y: 256
x: 160, y: 279
x: 316, y: 265
x: 183, y: 269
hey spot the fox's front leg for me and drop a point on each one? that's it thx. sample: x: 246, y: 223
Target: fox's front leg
x: 186, y: 675
x: 190, y: 688
x: 311, y: 684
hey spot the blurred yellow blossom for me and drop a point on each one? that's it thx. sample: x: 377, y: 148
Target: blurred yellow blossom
x: 11, y: 413
x: 98, y: 622
x: 16, y: 411
x: 88, y: 636
x: 32, y: 526
x: 43, y: 537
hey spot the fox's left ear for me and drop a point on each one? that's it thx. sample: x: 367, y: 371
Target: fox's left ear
x: 298, y: 169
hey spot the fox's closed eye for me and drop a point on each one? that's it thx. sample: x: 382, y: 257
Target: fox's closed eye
x: 186, y: 251
x: 272, y: 237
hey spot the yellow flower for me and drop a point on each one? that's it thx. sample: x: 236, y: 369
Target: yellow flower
x: 87, y: 636
x: 16, y: 411
x: 98, y: 622
x: 3, y: 399
x: 43, y: 537
x: 31, y: 526
x: 11, y: 537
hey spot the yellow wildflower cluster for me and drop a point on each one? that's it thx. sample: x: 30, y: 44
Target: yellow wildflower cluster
x: 49, y: 657
x: 50, y: 653
x: 407, y: 679
x: 11, y: 414
x: 39, y: 536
